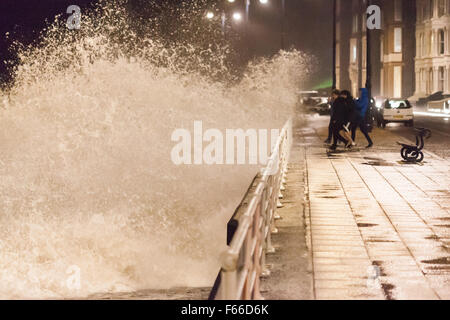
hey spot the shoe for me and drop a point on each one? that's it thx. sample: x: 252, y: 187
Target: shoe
x: 327, y: 141
x: 369, y: 146
x: 333, y: 147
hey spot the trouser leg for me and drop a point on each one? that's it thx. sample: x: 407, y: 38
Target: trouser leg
x: 330, y: 131
x: 363, y: 128
x: 354, y: 127
x: 336, y: 135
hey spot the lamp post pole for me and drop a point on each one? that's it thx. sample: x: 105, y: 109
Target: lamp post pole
x: 334, y: 44
x: 283, y: 16
x: 368, y: 58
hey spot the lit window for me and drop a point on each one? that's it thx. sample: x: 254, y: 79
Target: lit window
x: 397, y: 82
x: 422, y: 45
x: 441, y: 78
x: 398, y: 40
x: 353, y: 51
x: 355, y: 24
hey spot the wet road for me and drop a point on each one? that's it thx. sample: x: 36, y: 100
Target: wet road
x: 439, y: 143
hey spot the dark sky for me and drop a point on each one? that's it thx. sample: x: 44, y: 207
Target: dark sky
x: 308, y: 26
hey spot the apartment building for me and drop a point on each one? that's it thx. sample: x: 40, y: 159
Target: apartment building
x: 432, y: 63
x: 392, y: 47
x: 397, y: 48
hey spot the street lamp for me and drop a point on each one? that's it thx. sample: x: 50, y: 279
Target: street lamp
x: 210, y: 15
x: 237, y: 16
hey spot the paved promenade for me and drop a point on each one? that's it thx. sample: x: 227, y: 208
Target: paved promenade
x: 376, y: 228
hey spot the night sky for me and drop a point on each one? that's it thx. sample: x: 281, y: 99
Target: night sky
x: 308, y: 27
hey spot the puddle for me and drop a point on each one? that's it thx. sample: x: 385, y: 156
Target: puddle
x: 379, y: 264
x: 366, y: 225
x: 379, y: 164
x: 373, y: 159
x: 444, y: 260
x: 432, y: 237
x: 403, y: 162
x: 379, y: 240
x: 328, y: 197
x: 387, y: 289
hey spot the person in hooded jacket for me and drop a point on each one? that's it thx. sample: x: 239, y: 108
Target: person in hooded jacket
x: 362, y: 106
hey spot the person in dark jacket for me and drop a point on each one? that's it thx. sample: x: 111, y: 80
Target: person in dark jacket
x: 334, y: 95
x: 349, y: 117
x: 362, y: 106
x: 338, y: 119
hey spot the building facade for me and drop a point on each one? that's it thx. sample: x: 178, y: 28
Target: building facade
x: 432, y: 64
x: 392, y: 48
x: 397, y: 48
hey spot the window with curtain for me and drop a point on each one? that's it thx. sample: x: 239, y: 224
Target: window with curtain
x: 441, y: 41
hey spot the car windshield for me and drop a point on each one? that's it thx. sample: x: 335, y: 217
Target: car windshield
x: 397, y: 104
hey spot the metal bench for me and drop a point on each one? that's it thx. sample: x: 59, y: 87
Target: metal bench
x: 411, y: 153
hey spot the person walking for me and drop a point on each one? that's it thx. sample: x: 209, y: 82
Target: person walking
x: 349, y: 117
x: 362, y: 106
x: 338, y: 120
x: 334, y: 95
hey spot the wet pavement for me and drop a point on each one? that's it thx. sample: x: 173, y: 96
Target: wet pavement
x: 379, y: 227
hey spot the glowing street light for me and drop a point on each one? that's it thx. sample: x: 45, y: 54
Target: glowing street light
x: 264, y: 1
x: 231, y: 1
x: 210, y: 15
x: 237, y: 16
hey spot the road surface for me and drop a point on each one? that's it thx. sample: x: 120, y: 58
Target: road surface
x: 440, y: 128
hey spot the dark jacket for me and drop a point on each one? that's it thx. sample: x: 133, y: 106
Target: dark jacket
x: 340, y: 111
x: 352, y: 111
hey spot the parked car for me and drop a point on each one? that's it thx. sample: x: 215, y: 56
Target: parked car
x: 396, y: 110
x: 322, y: 108
x: 437, y: 96
x: 441, y: 106
x: 306, y: 96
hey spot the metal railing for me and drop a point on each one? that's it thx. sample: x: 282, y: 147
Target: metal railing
x: 250, y: 229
